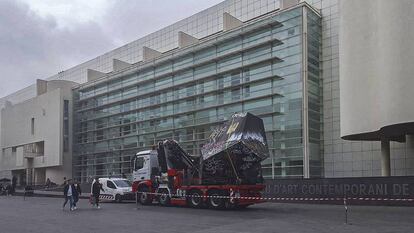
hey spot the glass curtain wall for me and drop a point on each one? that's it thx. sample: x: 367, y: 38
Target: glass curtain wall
x: 315, y: 118
x: 255, y: 68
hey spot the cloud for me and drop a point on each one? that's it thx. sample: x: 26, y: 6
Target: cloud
x: 40, y: 38
x: 67, y: 13
x: 129, y: 20
x: 34, y: 47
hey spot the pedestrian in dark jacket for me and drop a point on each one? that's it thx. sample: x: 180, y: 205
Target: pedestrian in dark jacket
x: 77, y: 194
x: 69, y: 191
x: 96, y: 191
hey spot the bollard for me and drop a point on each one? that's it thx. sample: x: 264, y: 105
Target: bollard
x: 346, y: 210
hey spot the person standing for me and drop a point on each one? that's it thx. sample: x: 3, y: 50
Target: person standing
x: 48, y: 182
x: 69, y: 192
x: 77, y: 194
x: 96, y: 191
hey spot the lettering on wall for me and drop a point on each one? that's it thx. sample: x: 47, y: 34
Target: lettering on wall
x: 379, y: 187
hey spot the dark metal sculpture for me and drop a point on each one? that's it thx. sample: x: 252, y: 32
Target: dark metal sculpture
x: 234, y: 151
x: 232, y: 154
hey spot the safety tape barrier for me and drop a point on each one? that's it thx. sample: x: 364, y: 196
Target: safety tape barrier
x: 286, y: 198
x: 262, y: 198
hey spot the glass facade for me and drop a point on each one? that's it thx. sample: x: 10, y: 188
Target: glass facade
x: 315, y: 92
x: 185, y: 94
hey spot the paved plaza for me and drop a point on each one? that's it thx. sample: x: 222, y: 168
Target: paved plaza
x: 38, y: 214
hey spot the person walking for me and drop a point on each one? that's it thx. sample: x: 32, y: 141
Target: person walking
x: 69, y: 192
x: 65, y: 196
x: 77, y: 194
x: 96, y: 191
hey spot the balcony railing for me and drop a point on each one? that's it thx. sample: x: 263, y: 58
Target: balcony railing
x: 27, y: 154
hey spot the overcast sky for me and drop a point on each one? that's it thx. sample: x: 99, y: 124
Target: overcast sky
x: 39, y: 38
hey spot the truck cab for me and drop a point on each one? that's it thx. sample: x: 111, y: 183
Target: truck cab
x: 144, y: 164
x: 145, y: 175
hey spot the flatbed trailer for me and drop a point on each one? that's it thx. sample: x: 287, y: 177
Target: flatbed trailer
x: 200, y: 196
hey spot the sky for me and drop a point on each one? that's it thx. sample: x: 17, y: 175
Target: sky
x: 39, y: 38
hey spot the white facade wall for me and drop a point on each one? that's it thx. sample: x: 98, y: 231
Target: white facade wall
x: 377, y: 53
x: 16, y: 131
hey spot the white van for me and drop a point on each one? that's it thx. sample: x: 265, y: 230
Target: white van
x: 115, y: 189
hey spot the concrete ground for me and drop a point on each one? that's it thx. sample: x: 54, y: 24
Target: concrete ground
x: 39, y: 214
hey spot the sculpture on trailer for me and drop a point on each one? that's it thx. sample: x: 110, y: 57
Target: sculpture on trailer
x: 233, y: 152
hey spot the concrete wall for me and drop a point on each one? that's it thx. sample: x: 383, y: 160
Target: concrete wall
x: 16, y: 131
x: 46, y: 110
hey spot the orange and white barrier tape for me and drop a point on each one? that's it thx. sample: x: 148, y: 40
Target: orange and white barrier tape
x: 288, y: 198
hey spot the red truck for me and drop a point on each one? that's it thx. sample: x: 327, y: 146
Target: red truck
x: 226, y: 175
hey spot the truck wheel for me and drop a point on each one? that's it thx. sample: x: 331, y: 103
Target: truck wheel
x: 144, y: 197
x: 164, y: 198
x: 118, y: 198
x: 215, y: 201
x: 195, y: 199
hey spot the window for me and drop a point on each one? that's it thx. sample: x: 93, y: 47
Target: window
x: 32, y: 125
x: 235, y: 78
x: 110, y: 184
x: 65, y: 143
x: 123, y: 183
x: 139, y: 163
x: 220, y: 83
x: 100, y: 135
x: 229, y: 63
x: 183, y: 77
x: 246, y: 91
x: 65, y: 125
x: 66, y: 108
x: 235, y: 94
x: 205, y: 70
